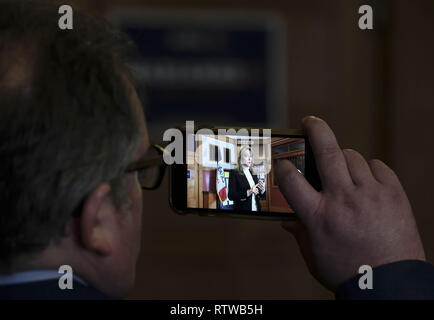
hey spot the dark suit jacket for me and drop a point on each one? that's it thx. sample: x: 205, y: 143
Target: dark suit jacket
x: 48, y: 290
x: 238, y: 186
x: 407, y: 279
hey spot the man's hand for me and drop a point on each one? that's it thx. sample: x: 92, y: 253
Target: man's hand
x: 362, y: 216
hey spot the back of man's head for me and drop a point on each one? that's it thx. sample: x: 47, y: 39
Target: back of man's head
x: 66, y: 123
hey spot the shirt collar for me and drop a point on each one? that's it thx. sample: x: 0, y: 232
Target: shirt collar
x: 33, y: 276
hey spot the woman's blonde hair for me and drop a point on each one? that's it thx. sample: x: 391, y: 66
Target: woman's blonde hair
x: 239, y: 165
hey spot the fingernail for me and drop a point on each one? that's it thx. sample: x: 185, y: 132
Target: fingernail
x: 311, y: 117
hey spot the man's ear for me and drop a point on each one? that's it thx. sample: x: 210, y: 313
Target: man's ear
x: 96, y: 222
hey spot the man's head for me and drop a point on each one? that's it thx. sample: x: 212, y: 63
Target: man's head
x: 70, y: 124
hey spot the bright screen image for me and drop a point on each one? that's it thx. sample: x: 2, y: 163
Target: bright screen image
x: 235, y: 172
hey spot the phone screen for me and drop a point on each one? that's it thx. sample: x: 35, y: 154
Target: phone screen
x: 235, y: 172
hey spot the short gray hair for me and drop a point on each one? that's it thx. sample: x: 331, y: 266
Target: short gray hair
x: 70, y: 128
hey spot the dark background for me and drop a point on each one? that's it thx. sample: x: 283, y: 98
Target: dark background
x: 374, y: 88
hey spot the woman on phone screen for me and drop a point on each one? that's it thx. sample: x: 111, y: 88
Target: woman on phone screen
x: 245, y: 188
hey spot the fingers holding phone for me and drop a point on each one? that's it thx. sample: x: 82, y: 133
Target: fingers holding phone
x: 361, y: 217
x: 261, y: 185
x: 255, y: 189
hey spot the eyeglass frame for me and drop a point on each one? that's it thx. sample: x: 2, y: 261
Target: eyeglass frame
x: 147, y: 163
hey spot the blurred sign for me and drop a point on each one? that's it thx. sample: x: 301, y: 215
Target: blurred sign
x: 216, y: 68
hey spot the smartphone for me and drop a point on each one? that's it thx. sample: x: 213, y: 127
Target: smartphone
x: 229, y: 172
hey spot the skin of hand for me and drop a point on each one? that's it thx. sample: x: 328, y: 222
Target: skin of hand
x: 254, y: 190
x: 361, y: 217
x: 261, y: 185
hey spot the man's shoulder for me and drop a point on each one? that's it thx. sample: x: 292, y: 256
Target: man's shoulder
x: 49, y: 290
